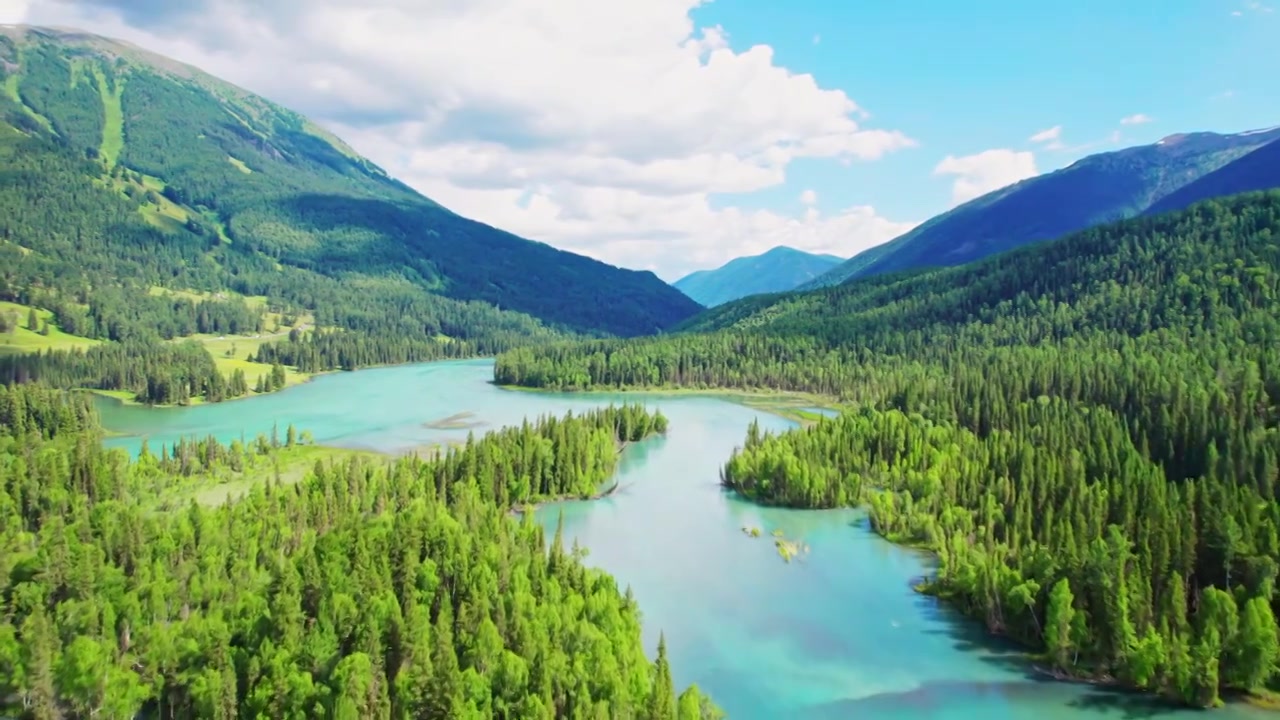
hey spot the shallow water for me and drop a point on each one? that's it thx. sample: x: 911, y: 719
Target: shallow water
x: 837, y: 633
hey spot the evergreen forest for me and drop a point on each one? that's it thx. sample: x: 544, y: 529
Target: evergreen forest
x: 1084, y: 431
x: 404, y: 589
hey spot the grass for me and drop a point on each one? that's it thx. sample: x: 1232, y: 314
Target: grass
x: 229, y: 353
x: 11, y: 83
x: 113, y: 116
x: 240, y: 165
x: 286, y: 465
x: 24, y: 340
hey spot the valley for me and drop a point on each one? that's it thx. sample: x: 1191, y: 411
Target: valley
x: 836, y: 632
x: 281, y: 436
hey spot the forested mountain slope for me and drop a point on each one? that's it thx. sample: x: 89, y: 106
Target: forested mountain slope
x: 1097, y: 189
x: 259, y: 183
x: 777, y: 270
x: 1086, y: 431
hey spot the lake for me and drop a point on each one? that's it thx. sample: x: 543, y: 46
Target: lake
x: 837, y: 633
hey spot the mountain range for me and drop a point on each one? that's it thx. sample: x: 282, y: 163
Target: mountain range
x: 255, y: 182
x: 1167, y: 175
x: 777, y: 270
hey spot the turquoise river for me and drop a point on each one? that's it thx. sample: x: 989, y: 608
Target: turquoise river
x: 837, y: 633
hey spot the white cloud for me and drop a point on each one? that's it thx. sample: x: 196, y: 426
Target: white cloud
x: 599, y: 127
x: 1049, y: 135
x: 809, y: 197
x: 1136, y: 119
x: 1050, y: 138
x: 979, y: 174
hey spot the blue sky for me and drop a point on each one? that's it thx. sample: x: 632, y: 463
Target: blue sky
x: 963, y: 77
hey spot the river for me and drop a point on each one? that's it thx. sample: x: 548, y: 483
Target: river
x: 837, y: 633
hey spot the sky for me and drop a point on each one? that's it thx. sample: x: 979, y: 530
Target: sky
x: 675, y: 135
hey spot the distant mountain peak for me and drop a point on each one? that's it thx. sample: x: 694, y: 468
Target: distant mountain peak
x: 777, y: 269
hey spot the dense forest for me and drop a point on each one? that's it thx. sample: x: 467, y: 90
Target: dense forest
x: 1085, y: 431
x: 403, y: 589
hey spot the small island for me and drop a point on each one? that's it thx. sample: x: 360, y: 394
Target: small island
x: 787, y: 549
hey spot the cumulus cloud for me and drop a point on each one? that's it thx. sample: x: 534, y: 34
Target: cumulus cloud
x: 1136, y: 119
x: 809, y: 197
x: 979, y: 174
x: 605, y: 128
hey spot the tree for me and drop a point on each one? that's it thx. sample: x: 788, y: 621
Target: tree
x: 1058, y: 621
x: 662, y: 700
x: 1259, y: 645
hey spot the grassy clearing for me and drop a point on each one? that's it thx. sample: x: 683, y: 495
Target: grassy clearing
x: 230, y: 353
x: 113, y: 115
x: 274, y: 322
x: 239, y: 164
x: 11, y: 88
x: 285, y: 465
x: 21, y: 339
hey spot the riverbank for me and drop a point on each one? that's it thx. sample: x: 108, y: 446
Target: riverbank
x: 127, y: 398
x: 795, y: 406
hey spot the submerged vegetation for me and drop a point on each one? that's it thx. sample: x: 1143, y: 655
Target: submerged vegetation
x: 1086, y: 432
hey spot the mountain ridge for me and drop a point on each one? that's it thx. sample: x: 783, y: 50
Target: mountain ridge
x: 778, y: 269
x: 265, y: 179
x: 1257, y: 170
x: 1099, y: 188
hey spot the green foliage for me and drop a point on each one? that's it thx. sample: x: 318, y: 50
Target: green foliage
x: 403, y: 589
x: 1086, y: 432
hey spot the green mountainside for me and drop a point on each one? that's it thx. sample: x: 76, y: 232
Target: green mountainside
x: 777, y: 270
x: 1086, y: 432
x: 256, y: 183
x: 1097, y: 189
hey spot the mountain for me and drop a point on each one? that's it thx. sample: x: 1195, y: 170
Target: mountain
x: 259, y: 181
x: 1097, y: 189
x: 777, y: 270
x: 1259, y: 170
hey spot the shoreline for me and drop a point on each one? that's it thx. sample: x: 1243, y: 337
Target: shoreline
x: 519, y: 510
x: 792, y: 411
x: 114, y: 397
x: 789, y: 404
